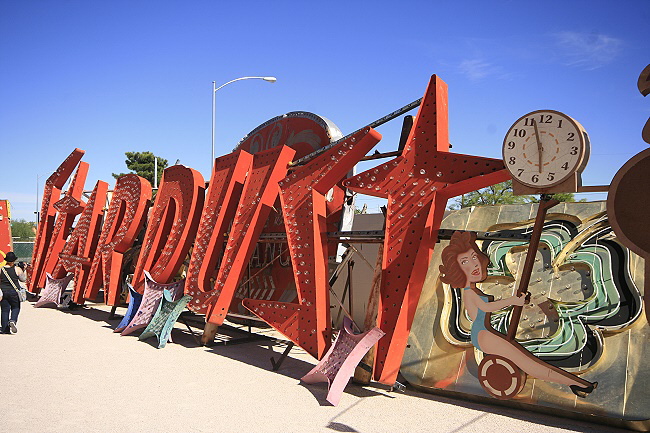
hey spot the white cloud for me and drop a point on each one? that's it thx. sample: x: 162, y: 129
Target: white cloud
x: 587, y: 50
x: 476, y: 69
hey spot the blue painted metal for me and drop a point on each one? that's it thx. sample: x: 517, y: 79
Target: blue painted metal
x: 135, y: 299
x: 162, y: 323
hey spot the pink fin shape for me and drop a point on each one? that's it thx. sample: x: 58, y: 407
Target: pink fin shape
x: 53, y: 290
x: 152, y: 296
x: 337, y: 366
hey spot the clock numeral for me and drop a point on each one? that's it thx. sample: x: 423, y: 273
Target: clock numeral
x: 519, y: 132
x: 512, y: 160
x: 574, y: 150
x: 521, y: 171
x: 511, y: 145
x: 571, y: 136
x: 535, y: 178
x: 529, y: 121
x: 545, y: 118
x: 559, y: 123
x: 551, y: 176
x: 565, y: 166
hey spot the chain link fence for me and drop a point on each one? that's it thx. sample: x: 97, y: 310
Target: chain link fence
x: 24, y: 249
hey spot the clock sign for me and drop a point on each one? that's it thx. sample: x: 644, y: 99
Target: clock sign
x: 545, y: 151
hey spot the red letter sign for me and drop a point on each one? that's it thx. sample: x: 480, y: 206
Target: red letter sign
x: 126, y: 214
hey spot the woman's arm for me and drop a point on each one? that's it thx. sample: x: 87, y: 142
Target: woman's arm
x: 490, y: 307
x: 22, y: 275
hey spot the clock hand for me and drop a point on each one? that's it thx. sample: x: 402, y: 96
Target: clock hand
x: 539, y: 145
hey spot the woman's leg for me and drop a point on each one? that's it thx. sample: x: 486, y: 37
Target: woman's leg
x: 529, y: 363
x: 4, y: 320
x: 14, y: 302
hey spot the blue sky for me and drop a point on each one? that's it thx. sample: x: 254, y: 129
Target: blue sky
x: 111, y: 77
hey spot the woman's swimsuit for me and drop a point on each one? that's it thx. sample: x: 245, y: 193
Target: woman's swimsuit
x: 478, y: 324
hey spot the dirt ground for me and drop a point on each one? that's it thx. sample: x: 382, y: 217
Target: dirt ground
x: 66, y: 371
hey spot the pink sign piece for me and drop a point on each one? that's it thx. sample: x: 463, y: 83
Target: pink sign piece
x: 338, y: 365
x: 54, y: 288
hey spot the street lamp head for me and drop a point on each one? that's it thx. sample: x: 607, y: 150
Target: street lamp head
x: 214, y: 91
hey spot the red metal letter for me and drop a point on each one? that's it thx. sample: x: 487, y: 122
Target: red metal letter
x: 172, y: 225
x: 124, y: 219
x: 5, y: 230
x: 51, y: 194
x: 79, y: 250
x: 228, y: 177
x: 303, y: 204
x: 260, y: 192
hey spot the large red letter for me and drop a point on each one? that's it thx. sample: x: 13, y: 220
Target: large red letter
x: 228, y: 177
x: 5, y: 230
x: 303, y: 205
x: 172, y: 225
x: 77, y: 255
x: 124, y: 219
x: 417, y: 184
x: 260, y: 192
x: 51, y: 194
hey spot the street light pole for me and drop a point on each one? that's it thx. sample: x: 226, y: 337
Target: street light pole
x: 38, y: 219
x: 38, y: 209
x: 214, y: 92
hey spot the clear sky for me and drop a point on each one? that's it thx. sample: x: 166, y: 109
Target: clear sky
x: 115, y: 76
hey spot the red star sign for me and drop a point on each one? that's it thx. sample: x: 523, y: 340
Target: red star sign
x: 417, y: 184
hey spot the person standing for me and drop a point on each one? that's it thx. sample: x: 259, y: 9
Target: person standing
x: 10, y: 275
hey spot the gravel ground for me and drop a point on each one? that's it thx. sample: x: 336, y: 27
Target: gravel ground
x: 66, y: 371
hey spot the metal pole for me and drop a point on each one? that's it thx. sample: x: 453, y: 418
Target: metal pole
x: 545, y: 203
x: 155, y: 172
x: 214, y: 92
x: 37, y: 219
x: 378, y: 122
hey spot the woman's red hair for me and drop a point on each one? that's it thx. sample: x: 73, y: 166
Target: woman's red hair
x: 450, y: 271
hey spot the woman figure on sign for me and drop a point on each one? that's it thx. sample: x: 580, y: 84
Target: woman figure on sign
x: 464, y: 265
x: 10, y: 275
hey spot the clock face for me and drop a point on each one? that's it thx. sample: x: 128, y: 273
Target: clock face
x: 544, y: 148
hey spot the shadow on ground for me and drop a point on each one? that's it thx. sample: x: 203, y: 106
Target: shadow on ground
x: 257, y: 349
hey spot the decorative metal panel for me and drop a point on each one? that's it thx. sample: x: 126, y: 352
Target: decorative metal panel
x: 585, y: 314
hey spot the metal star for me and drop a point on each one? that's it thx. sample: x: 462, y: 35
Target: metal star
x: 417, y: 184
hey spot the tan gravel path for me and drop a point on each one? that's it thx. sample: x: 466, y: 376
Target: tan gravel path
x: 68, y: 372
